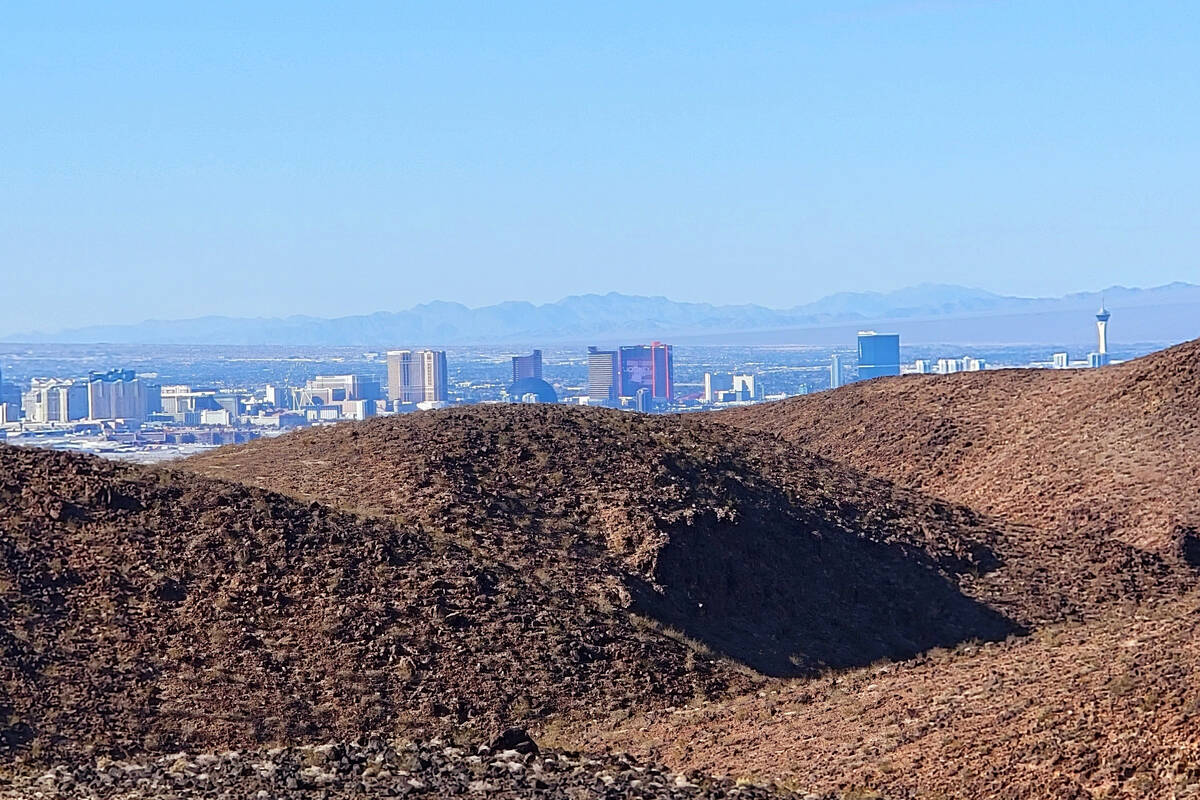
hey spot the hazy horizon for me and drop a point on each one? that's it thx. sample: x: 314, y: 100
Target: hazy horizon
x: 274, y: 159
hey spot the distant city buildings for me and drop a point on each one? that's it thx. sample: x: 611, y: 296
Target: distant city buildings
x: 878, y: 354
x: 835, y: 371
x: 55, y: 400
x: 529, y: 366
x: 1100, y: 357
x: 947, y: 366
x: 1061, y: 360
x: 747, y: 387
x: 119, y: 394
x: 280, y: 397
x: 647, y: 367
x: 329, y: 389
x: 532, y: 390
x: 417, y: 376
x: 922, y: 366
x: 603, y: 376
x: 715, y: 384
x: 353, y: 396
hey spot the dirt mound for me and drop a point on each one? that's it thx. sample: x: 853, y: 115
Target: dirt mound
x: 1111, y: 453
x: 378, y: 768
x: 1108, y: 708
x: 147, y: 611
x: 784, y: 560
x: 779, y: 560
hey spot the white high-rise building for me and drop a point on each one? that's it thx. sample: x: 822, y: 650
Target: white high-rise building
x: 1062, y: 361
x: 922, y: 366
x: 947, y: 366
x: 746, y: 387
x: 117, y: 394
x: 835, y: 371
x: 55, y: 400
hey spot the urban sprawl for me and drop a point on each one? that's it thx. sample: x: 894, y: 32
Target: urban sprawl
x: 124, y: 414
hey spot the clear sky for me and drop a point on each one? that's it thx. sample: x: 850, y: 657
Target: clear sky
x: 171, y: 160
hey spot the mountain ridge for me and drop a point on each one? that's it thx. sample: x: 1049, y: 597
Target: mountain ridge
x: 594, y: 317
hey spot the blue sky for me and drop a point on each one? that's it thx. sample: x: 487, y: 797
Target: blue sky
x: 269, y: 159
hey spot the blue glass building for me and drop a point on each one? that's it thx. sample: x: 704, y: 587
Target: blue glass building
x: 878, y: 354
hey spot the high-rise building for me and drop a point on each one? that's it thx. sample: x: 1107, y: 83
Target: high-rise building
x: 10, y: 400
x: 337, y: 388
x: 603, y: 375
x: 746, y: 387
x: 1062, y: 361
x: 55, y: 400
x: 642, y: 400
x: 117, y: 394
x: 715, y: 383
x: 970, y: 364
x: 417, y: 376
x: 835, y: 371
x: 878, y: 354
x: 281, y: 397
x: 650, y: 367
x: 949, y: 365
x: 921, y: 366
x: 529, y: 366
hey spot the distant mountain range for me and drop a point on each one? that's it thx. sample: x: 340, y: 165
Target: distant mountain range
x: 1163, y: 313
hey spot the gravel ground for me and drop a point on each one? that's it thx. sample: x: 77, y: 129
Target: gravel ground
x: 512, y: 767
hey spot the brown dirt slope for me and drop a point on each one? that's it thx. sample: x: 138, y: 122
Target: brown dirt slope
x: 1104, y: 709
x: 782, y: 559
x: 1112, y: 453
x: 143, y: 610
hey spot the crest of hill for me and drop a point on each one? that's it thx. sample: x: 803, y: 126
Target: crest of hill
x: 144, y: 611
x: 1112, y: 453
x: 781, y: 561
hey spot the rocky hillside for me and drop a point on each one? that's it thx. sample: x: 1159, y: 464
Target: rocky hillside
x: 143, y: 611
x: 785, y: 560
x: 1112, y: 453
x: 1104, y: 709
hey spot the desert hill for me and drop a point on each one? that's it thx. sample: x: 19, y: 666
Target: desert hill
x: 705, y: 518
x: 780, y: 561
x: 1109, y: 708
x: 487, y: 567
x: 145, y: 611
x: 1112, y: 453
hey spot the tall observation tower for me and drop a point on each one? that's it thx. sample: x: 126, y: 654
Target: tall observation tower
x: 1102, y: 328
x: 1101, y: 358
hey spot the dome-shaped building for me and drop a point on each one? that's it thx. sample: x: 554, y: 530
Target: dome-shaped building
x: 521, y: 391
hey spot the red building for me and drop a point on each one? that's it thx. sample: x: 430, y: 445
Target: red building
x: 649, y: 367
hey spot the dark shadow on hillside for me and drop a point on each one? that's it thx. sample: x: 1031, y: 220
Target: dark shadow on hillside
x: 790, y: 596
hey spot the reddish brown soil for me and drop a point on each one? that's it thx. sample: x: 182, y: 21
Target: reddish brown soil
x: 147, y: 611
x: 1107, y: 709
x: 1112, y: 453
x: 708, y: 515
